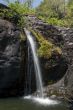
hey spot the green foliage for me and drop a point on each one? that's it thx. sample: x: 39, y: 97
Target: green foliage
x: 7, y: 14
x: 69, y: 16
x: 46, y: 48
x: 22, y: 36
x: 55, y: 21
x: 16, y: 13
x: 56, y: 12
x: 21, y: 10
x: 29, y: 3
x: 54, y: 8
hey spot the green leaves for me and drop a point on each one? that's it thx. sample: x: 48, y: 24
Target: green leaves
x: 21, y: 10
x: 17, y: 12
x: 52, y: 8
x: 56, y: 12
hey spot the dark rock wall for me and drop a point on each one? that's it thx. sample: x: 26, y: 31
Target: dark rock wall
x: 53, y: 69
x: 11, y: 72
x: 68, y: 53
x: 14, y: 53
x: 64, y: 87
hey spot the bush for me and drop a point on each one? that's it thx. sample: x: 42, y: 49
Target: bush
x: 16, y: 13
x: 56, y: 21
x: 21, y: 10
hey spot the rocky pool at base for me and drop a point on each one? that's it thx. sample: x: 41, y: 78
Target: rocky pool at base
x: 27, y: 104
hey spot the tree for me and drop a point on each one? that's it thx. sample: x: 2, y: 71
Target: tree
x: 28, y: 3
x: 17, y: 12
x: 70, y: 8
x: 70, y: 2
x: 52, y: 8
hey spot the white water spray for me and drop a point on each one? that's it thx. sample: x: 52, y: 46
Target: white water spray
x: 36, y: 63
x: 40, y: 100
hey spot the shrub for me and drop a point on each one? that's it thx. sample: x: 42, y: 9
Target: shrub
x: 16, y: 13
x: 56, y: 21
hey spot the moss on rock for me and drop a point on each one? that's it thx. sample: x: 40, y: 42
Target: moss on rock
x: 46, y: 48
x: 22, y: 36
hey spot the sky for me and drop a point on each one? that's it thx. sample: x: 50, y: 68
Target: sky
x: 35, y: 4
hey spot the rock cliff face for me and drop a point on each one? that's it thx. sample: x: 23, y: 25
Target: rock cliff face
x: 13, y: 58
x: 53, y: 69
x: 11, y: 74
x: 68, y: 52
x: 64, y: 87
x: 61, y: 72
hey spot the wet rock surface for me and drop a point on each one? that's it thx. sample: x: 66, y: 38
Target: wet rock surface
x: 65, y: 85
x: 48, y: 31
x: 68, y: 52
x: 11, y: 76
x: 13, y: 59
x: 61, y: 72
x: 53, y: 69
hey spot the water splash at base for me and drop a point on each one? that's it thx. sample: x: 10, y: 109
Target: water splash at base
x: 42, y: 101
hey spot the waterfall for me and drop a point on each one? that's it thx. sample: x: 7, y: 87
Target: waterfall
x: 36, y: 63
x: 27, y: 86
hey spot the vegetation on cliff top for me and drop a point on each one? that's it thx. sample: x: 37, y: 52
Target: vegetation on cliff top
x: 56, y: 12
x: 17, y: 12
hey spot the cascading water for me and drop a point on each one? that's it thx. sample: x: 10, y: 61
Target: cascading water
x: 28, y: 75
x: 41, y: 99
x: 36, y: 63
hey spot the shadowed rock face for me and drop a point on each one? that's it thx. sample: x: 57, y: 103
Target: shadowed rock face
x: 61, y: 72
x: 62, y: 69
x: 55, y: 68
x: 13, y: 59
x: 11, y: 74
x: 65, y: 85
x: 68, y: 52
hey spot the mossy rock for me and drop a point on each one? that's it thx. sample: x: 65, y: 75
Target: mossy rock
x: 46, y: 48
x: 22, y: 36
